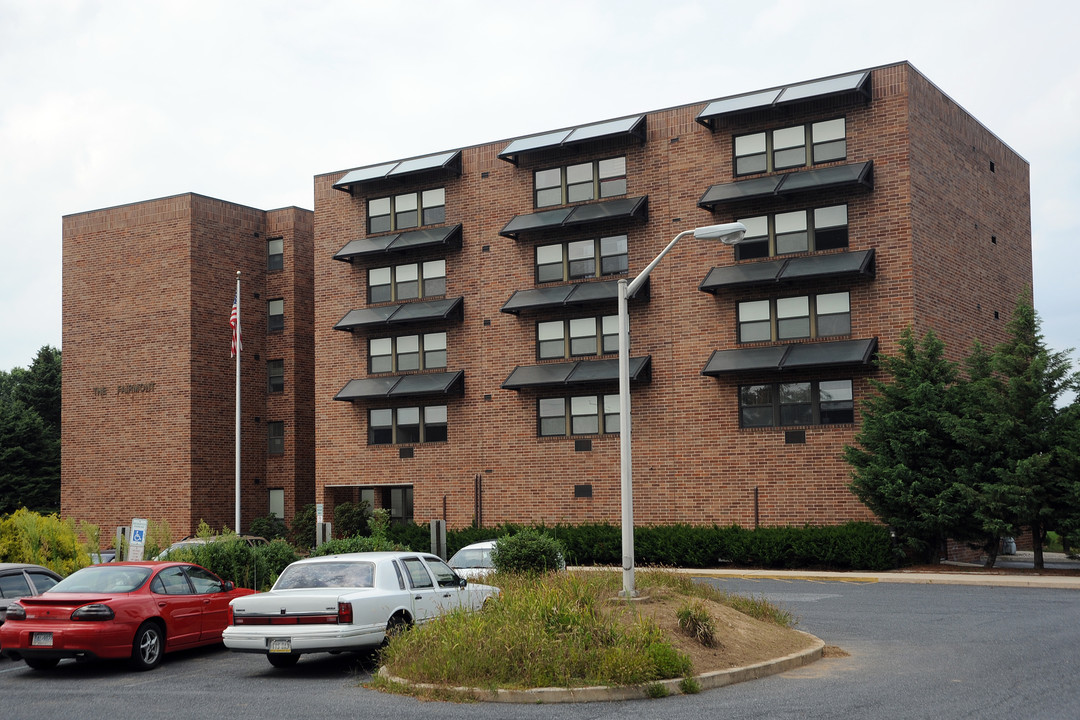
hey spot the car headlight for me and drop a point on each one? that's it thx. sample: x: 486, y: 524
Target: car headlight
x: 96, y: 611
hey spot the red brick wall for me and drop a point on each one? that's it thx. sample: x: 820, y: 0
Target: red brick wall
x: 147, y: 293
x: 692, y: 462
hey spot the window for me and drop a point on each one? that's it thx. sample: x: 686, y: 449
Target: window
x: 276, y: 502
x: 275, y: 315
x: 407, y: 352
x: 418, y: 574
x: 409, y: 210
x: 792, y: 318
x: 791, y: 232
x: 407, y: 282
x: 390, y: 426
x: 275, y: 254
x: 275, y: 437
x: 581, y: 259
x: 275, y: 376
x: 577, y: 337
x: 787, y: 147
x: 825, y: 402
x: 580, y: 182
x: 581, y: 414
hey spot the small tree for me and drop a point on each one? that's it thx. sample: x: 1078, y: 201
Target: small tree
x: 528, y: 551
x: 903, y: 468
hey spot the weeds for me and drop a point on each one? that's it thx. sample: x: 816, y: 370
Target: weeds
x: 695, y: 621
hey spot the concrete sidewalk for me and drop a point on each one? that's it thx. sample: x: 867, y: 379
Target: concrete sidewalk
x: 963, y: 574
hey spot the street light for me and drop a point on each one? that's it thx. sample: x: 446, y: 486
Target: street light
x: 730, y: 234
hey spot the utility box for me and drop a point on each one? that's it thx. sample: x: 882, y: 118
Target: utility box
x: 438, y: 538
x: 322, y: 532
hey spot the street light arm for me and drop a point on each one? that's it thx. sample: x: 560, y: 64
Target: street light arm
x: 635, y: 284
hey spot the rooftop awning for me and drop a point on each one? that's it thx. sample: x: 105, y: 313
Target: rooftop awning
x: 807, y: 267
x: 855, y: 85
x: 401, y: 242
x: 555, y: 296
x: 401, y: 313
x: 394, y: 386
x: 791, y: 357
x: 445, y: 164
x: 855, y: 174
x: 629, y: 127
x: 633, y: 208
x: 580, y: 372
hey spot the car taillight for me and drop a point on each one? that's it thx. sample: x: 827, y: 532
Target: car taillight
x: 344, y: 613
x: 230, y: 618
x: 15, y: 611
x: 96, y: 611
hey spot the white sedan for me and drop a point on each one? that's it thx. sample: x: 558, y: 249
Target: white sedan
x: 346, y: 602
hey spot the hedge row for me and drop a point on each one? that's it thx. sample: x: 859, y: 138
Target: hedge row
x: 853, y: 546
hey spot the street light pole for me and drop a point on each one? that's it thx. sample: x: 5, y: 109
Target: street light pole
x: 729, y: 233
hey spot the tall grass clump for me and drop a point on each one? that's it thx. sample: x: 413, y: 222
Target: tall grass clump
x: 559, y: 629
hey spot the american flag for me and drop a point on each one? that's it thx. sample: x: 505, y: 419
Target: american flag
x: 234, y: 323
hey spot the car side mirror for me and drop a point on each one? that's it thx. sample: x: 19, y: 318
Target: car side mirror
x: 228, y: 586
x: 462, y: 582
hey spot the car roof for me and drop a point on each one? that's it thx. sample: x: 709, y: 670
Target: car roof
x: 482, y: 545
x: 24, y: 566
x: 365, y: 556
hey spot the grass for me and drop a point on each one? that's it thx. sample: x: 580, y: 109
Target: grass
x: 563, y: 629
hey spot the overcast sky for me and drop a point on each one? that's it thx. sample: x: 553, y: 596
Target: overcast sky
x: 111, y: 102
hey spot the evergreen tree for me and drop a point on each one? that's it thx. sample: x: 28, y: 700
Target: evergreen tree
x: 30, y: 435
x: 903, y: 469
x: 1036, y: 482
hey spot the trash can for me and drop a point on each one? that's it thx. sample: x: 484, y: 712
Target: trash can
x: 1008, y: 546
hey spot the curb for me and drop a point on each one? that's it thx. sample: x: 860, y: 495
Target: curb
x: 602, y: 693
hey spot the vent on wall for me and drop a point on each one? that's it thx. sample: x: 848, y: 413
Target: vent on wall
x: 795, y: 437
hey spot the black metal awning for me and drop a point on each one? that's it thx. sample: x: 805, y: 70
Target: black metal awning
x: 446, y: 309
x: 853, y: 85
x: 798, y: 356
x: 444, y: 164
x: 806, y: 267
x: 628, y: 127
x: 581, y: 372
x: 401, y: 242
x: 576, y: 294
x: 834, y: 176
x: 636, y: 208
x: 394, y: 386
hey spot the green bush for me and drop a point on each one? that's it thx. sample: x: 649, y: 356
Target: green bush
x: 270, y: 527
x: 529, y: 551
x: 231, y: 558
x: 357, y: 543
x: 351, y: 519
x: 30, y: 537
x: 302, y: 530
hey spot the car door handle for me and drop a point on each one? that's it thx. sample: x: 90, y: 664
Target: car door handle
x: 419, y: 597
x: 162, y: 603
x: 448, y: 595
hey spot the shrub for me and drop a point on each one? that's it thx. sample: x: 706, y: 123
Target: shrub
x: 302, y: 529
x: 351, y: 519
x: 29, y: 537
x: 529, y: 551
x: 231, y: 558
x: 357, y: 543
x: 270, y: 527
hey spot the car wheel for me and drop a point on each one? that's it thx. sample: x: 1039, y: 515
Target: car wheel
x: 148, y: 647
x: 42, y: 663
x: 397, y: 624
x: 283, y: 661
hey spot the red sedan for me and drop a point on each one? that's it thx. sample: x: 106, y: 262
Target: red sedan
x: 135, y: 610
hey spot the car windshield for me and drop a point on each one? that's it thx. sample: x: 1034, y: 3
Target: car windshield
x: 327, y: 574
x: 103, y: 579
x: 475, y: 558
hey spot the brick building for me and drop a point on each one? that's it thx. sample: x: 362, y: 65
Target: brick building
x: 454, y: 336
x: 149, y: 386
x: 465, y: 303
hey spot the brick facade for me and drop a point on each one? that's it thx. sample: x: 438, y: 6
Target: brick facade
x: 933, y: 207
x: 945, y: 211
x: 149, y: 386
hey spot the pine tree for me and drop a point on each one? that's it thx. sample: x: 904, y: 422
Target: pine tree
x: 903, y: 469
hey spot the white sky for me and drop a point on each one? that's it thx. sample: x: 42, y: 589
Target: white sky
x: 116, y: 101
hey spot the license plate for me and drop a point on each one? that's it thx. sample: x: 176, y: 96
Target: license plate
x: 41, y: 639
x: 280, y: 645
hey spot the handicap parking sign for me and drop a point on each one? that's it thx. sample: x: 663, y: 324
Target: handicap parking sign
x: 137, y: 537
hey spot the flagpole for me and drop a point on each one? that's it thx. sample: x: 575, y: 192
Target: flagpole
x: 237, y: 439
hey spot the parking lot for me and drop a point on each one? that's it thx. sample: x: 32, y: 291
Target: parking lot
x: 914, y: 651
